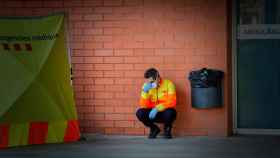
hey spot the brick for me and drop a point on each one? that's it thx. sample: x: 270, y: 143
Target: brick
x: 144, y: 37
x: 137, y: 74
x: 77, y: 60
x: 133, y: 45
x: 83, y: 95
x: 123, y: 52
x: 133, y: 2
x: 93, y: 17
x: 82, y: 10
x: 94, y: 88
x: 72, y: 3
x: 33, y: 3
x: 77, y: 45
x: 95, y: 117
x: 77, y: 32
x: 103, y: 109
x: 114, y: 102
x: 174, y: 59
x: 164, y: 52
x: 82, y: 52
x: 113, y: 31
x: 6, y: 11
x: 83, y: 67
x: 93, y: 45
x: 78, y: 73
x: 53, y: 4
x: 153, y: 44
x: 93, y: 3
x: 103, y: 123
x: 113, y: 60
x: 13, y: 4
x: 144, y: 52
x: 82, y: 110
x: 81, y: 38
x: 112, y: 2
x: 103, y: 52
x: 134, y: 131
x: 103, y: 38
x: 130, y: 117
x: 93, y: 31
x: 93, y: 73
x: 103, y: 10
x: 206, y: 52
x: 114, y: 88
x: 35, y: 11
x: 128, y: 10
x: 175, y: 74
x: 103, y: 95
x: 93, y: 130
x: 124, y: 109
x: 124, y: 123
x: 103, y: 24
x: 123, y: 66
x: 104, y: 81
x: 93, y: 59
x: 133, y: 60
x: 83, y: 24
x: 114, y: 130
x: 114, y: 45
x: 103, y: 67
x: 124, y: 81
x: 95, y: 102
x: 132, y: 102
x: 114, y: 117
x: 184, y: 52
x: 195, y: 59
x: 143, y: 67
x: 76, y: 17
x: 113, y: 74
x: 83, y: 81
x: 174, y: 44
x: 124, y: 95
x: 114, y: 16
x: 133, y: 89
x: 153, y: 59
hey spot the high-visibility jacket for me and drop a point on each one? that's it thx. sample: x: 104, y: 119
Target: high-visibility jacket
x: 162, y: 97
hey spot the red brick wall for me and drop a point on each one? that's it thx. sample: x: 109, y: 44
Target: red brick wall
x: 114, y: 41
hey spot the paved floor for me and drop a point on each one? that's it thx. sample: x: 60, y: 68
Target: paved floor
x: 141, y: 147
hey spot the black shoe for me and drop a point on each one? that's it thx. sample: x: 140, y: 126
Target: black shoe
x: 154, y: 131
x: 167, y: 132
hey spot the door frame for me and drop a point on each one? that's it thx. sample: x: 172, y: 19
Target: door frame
x: 234, y: 50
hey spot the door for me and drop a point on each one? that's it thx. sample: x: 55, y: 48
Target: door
x: 258, y: 65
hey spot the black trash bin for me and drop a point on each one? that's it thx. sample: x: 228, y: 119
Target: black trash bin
x: 206, y: 88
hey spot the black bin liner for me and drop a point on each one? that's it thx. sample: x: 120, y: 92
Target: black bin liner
x: 206, y: 88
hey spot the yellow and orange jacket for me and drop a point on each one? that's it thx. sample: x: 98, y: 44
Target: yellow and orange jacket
x: 162, y: 97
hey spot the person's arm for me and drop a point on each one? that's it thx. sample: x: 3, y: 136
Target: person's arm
x: 144, y: 98
x: 169, y: 101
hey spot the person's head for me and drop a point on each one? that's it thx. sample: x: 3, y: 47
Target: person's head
x: 152, y: 75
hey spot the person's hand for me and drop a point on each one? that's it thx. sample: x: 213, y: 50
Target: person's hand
x: 153, y: 113
x: 147, y: 87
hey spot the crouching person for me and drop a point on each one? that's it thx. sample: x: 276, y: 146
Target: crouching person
x: 157, y: 103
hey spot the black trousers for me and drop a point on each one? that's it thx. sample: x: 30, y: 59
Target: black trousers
x: 166, y: 117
